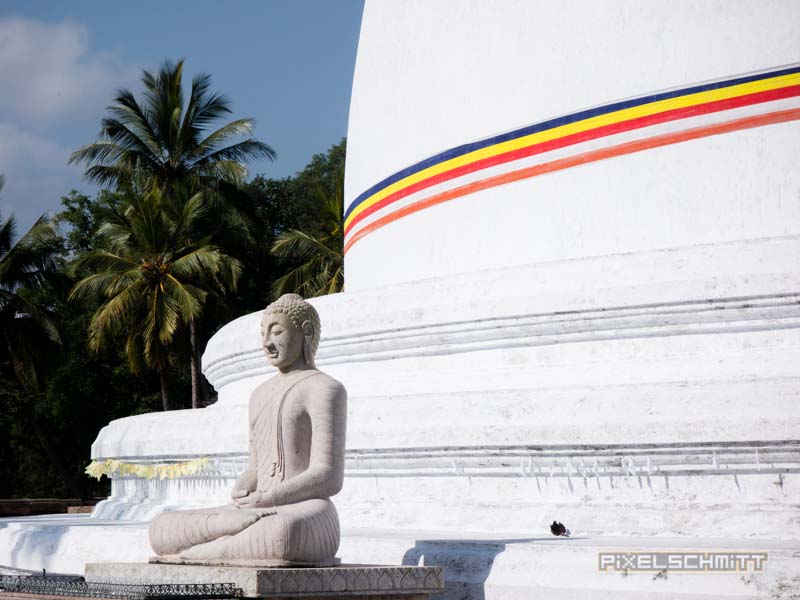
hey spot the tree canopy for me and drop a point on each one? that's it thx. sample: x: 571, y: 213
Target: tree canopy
x: 98, y: 238
x: 105, y: 307
x: 150, y: 279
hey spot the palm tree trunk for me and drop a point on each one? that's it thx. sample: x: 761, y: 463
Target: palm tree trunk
x: 195, y: 364
x: 162, y: 375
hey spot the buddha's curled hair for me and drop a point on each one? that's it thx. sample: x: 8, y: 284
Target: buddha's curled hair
x: 299, y: 311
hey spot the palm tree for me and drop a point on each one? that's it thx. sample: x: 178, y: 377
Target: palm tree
x: 172, y: 141
x: 153, y: 276
x: 26, y: 328
x: 322, y: 270
x: 169, y: 139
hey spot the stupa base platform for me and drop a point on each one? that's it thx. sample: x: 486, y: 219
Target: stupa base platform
x: 376, y: 582
x: 499, y: 565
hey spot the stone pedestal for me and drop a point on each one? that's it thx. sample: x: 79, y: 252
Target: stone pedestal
x: 347, y: 581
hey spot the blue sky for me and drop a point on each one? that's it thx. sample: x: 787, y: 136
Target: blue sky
x: 288, y: 64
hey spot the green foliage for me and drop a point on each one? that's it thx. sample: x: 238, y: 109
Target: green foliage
x: 48, y: 428
x: 151, y: 277
x: 322, y: 254
x: 28, y: 337
x: 82, y: 392
x: 82, y: 216
x: 293, y: 203
x: 27, y: 328
x: 171, y: 140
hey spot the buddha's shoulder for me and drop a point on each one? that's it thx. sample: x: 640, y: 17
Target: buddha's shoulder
x: 327, y: 384
x: 263, y: 389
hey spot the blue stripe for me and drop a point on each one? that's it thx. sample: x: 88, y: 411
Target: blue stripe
x: 557, y: 122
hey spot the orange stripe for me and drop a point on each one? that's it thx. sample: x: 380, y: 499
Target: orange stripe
x: 575, y: 161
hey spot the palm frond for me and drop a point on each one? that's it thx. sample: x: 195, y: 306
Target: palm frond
x: 128, y: 142
x: 27, y: 261
x: 186, y: 213
x: 128, y: 111
x: 105, y: 261
x: 237, y: 128
x: 206, y: 107
x: 220, y: 171
x: 202, y: 108
x: 164, y: 93
x: 8, y: 231
x: 134, y: 352
x: 112, y: 317
x: 187, y: 299
x: 322, y: 269
x: 160, y: 324
x: 109, y: 174
x: 294, y: 243
x: 240, y: 152
x: 210, y: 267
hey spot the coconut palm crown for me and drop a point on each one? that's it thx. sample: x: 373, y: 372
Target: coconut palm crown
x: 169, y: 138
x: 152, y: 277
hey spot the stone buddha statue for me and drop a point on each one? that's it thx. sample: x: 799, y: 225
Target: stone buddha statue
x: 281, y: 513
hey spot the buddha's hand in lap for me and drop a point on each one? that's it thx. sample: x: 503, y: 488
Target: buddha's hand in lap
x: 237, y: 494
x: 254, y: 499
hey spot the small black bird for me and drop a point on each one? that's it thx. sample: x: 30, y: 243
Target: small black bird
x: 558, y: 529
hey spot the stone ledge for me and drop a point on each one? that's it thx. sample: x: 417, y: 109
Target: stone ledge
x: 346, y: 581
x: 174, y: 559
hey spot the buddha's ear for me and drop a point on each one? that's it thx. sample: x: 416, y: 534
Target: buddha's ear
x: 308, y: 339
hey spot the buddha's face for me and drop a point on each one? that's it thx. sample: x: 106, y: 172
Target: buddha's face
x: 283, y: 342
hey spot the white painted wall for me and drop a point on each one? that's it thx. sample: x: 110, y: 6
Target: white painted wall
x: 433, y: 75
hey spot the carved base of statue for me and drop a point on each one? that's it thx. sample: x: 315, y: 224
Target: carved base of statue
x: 281, y: 512
x: 348, y: 582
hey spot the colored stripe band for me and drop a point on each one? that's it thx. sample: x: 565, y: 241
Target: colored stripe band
x: 580, y: 159
x: 660, y: 101
x: 573, y: 129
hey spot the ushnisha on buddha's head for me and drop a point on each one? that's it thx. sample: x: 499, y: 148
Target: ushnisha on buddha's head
x: 290, y: 330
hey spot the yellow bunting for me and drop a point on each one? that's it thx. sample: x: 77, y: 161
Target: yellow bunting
x: 110, y: 467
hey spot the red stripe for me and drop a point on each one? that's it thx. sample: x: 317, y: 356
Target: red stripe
x: 577, y: 138
x: 580, y: 159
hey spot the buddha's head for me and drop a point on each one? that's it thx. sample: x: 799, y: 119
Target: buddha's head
x: 290, y: 331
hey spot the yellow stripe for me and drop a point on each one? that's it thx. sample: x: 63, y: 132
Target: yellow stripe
x: 644, y: 110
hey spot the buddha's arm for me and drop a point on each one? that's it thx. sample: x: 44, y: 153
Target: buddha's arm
x: 327, y: 410
x: 248, y: 480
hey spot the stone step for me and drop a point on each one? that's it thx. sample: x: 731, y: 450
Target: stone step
x: 65, y: 543
x: 477, y: 565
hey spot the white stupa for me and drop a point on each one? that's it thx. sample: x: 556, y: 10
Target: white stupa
x: 572, y: 294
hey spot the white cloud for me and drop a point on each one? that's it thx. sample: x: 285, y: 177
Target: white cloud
x: 52, y: 87
x: 36, y: 174
x: 47, y: 71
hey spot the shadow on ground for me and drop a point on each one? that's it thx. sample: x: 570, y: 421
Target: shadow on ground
x: 467, y: 563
